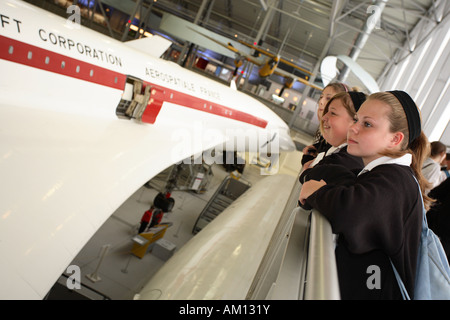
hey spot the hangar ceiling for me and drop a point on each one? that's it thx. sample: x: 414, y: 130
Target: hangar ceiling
x: 312, y: 28
x: 302, y: 31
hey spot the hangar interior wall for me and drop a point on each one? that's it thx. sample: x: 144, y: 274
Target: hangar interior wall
x: 422, y: 69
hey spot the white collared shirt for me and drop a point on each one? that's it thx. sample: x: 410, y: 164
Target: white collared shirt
x: 322, y: 155
x: 431, y: 170
x: 335, y: 149
x: 404, y: 160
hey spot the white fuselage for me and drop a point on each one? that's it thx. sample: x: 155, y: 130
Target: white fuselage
x: 68, y: 159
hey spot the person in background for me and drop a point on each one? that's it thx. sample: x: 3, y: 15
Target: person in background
x: 151, y: 218
x: 445, y: 167
x: 146, y: 218
x: 320, y: 145
x: 379, y: 217
x: 157, y: 217
x: 438, y: 217
x: 432, y: 166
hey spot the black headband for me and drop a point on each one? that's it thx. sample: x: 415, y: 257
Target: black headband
x: 412, y: 114
x: 357, y: 98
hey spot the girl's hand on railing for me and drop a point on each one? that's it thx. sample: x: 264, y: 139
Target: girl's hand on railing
x: 308, y: 188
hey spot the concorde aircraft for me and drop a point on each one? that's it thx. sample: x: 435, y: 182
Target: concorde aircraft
x: 85, y: 121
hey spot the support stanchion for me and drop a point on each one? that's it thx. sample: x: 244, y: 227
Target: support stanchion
x: 178, y: 230
x: 94, y: 277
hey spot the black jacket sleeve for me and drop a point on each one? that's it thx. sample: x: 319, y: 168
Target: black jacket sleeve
x: 337, y: 168
x: 372, y: 212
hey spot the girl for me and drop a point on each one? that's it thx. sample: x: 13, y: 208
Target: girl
x: 379, y: 216
x: 320, y: 145
x: 337, y: 119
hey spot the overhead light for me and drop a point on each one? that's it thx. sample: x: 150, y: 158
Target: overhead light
x: 141, y: 31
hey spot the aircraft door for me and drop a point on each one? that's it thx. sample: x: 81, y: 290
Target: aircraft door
x: 140, y: 100
x: 151, y: 111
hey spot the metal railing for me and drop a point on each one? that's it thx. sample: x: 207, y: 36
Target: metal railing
x: 308, y: 270
x: 321, y: 272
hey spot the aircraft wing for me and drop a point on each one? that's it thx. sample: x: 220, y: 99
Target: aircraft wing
x: 283, y: 73
x: 259, y: 62
x: 230, y: 47
x: 189, y: 31
x: 155, y: 45
x: 272, y: 55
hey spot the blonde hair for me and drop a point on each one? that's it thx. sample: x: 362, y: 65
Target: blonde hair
x: 338, y: 87
x: 419, y: 148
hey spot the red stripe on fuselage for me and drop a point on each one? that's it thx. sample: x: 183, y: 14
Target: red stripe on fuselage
x: 36, y: 57
x: 32, y: 56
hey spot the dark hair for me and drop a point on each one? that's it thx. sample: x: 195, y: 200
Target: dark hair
x: 437, y: 148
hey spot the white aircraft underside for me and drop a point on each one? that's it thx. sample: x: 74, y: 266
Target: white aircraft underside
x: 68, y: 161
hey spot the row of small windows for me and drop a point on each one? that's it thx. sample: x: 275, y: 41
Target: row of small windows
x: 63, y: 63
